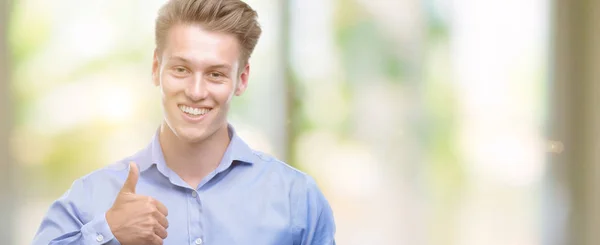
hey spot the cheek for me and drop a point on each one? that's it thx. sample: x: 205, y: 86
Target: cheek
x: 224, y: 93
x: 169, y: 85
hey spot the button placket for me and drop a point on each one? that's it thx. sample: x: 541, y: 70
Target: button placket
x: 195, y: 218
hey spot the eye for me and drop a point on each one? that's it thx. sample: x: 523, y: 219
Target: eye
x: 216, y: 75
x: 180, y: 70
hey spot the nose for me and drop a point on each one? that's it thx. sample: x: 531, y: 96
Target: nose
x: 197, y: 89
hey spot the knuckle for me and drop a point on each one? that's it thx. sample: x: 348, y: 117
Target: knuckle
x: 148, y: 235
x: 150, y: 221
x: 151, y: 208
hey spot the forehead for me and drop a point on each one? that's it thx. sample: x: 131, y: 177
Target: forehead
x: 198, y: 45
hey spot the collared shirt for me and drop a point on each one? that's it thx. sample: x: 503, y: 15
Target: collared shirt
x: 250, y: 198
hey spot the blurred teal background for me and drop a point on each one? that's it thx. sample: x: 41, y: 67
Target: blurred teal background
x: 423, y: 121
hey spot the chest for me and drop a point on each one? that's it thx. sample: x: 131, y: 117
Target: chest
x: 225, y: 217
x: 228, y: 218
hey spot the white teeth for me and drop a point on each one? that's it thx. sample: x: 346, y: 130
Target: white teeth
x: 193, y: 111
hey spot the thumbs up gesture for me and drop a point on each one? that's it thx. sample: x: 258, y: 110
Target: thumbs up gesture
x: 136, y: 219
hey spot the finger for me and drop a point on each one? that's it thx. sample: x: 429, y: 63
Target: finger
x: 156, y: 240
x: 132, y: 179
x: 161, y: 207
x: 160, y: 231
x: 162, y: 220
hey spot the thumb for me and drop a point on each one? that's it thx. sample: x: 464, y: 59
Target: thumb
x: 132, y: 178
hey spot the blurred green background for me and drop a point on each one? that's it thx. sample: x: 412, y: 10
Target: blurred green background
x: 423, y: 121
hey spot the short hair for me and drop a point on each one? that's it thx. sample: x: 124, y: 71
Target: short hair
x: 227, y: 16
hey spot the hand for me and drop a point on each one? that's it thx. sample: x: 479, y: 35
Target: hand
x: 136, y: 219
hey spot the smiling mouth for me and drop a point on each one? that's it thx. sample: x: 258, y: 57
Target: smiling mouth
x: 194, y: 111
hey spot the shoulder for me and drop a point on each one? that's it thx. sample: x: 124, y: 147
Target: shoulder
x: 302, y: 185
x: 282, y: 168
x: 311, y: 213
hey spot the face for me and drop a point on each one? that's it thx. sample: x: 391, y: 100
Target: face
x: 198, y: 74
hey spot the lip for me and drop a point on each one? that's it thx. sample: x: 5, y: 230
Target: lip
x: 192, y: 119
x: 195, y: 106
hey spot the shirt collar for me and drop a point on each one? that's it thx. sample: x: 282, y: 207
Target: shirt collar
x: 237, y: 151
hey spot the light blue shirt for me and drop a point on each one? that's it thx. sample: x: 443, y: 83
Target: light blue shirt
x: 250, y: 198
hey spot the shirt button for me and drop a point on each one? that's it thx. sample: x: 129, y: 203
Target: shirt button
x: 198, y: 241
x: 99, y: 238
x: 194, y: 194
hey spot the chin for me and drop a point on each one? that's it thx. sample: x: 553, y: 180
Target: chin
x: 193, y: 135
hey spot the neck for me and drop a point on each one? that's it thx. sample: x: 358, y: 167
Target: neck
x: 193, y: 161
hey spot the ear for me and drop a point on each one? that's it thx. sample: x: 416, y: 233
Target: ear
x: 243, y: 81
x: 155, y: 68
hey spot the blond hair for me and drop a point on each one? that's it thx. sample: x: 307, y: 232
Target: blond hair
x: 227, y: 16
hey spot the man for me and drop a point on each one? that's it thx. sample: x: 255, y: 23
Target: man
x: 197, y: 182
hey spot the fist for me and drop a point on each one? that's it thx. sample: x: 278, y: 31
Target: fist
x: 136, y: 219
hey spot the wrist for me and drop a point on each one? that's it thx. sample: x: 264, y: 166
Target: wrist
x: 99, y: 232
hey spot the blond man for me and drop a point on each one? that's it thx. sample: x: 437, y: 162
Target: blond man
x: 197, y: 182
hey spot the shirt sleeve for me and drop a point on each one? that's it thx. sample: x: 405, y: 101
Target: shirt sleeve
x: 315, y: 222
x: 67, y: 223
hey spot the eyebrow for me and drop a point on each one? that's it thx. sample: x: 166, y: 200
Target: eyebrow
x: 220, y: 66
x: 179, y: 58
x: 216, y: 66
